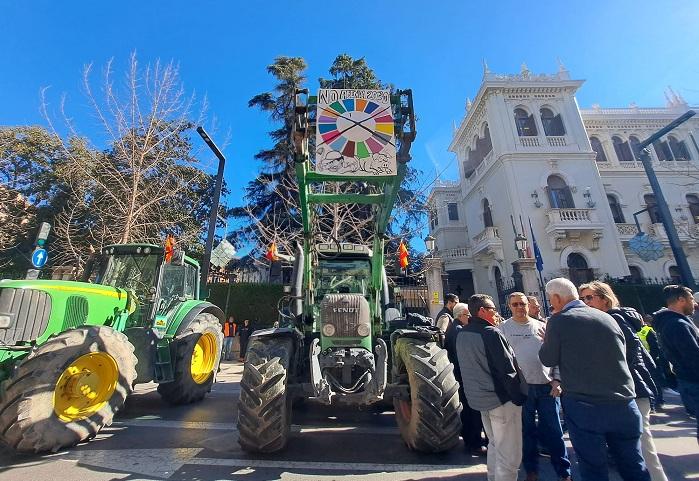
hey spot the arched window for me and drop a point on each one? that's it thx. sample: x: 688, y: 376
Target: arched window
x: 623, y: 152
x: 636, y: 274
x: 599, y: 150
x: 560, y: 196
x: 579, y: 272
x: 652, y: 206
x: 693, y: 201
x: 553, y: 125
x: 662, y: 150
x: 635, y: 147
x: 487, y: 143
x: 617, y: 213
x: 678, y: 148
x: 487, y: 214
x: 675, y: 275
x: 525, y: 123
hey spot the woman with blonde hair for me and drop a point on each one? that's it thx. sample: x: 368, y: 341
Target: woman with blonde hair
x: 600, y: 295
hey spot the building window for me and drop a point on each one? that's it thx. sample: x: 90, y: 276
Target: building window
x: 560, y: 196
x: 622, y: 149
x: 525, y: 123
x: 487, y: 214
x: 653, y: 209
x: 678, y: 148
x: 453, y: 211
x: 617, y: 213
x: 599, y: 150
x: 578, y: 270
x: 693, y: 201
x: 433, y: 220
x: 635, y: 147
x: 662, y: 150
x: 553, y: 125
x: 675, y: 275
x: 636, y: 274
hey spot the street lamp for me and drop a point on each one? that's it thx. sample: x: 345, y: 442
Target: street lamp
x: 214, y: 209
x: 521, y: 245
x: 429, y: 243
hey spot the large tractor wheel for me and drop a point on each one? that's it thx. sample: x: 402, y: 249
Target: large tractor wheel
x: 429, y: 421
x: 67, y: 389
x: 264, y: 408
x: 197, y: 356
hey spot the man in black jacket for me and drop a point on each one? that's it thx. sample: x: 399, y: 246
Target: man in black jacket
x: 493, y: 385
x: 680, y: 343
x: 445, y: 317
x: 588, y: 347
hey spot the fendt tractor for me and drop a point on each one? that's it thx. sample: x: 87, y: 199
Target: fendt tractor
x: 342, y: 341
x: 70, y: 352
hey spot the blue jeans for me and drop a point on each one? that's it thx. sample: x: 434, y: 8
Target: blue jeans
x: 690, y: 397
x: 548, y: 431
x: 227, y: 348
x: 595, y: 426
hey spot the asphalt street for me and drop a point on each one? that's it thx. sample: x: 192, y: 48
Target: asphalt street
x: 151, y: 440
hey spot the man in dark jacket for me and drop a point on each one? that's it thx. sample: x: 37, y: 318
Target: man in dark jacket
x: 493, y: 385
x: 471, y: 423
x: 588, y: 347
x: 680, y: 343
x: 445, y: 317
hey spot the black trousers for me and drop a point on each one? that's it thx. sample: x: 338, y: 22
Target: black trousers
x: 471, y: 425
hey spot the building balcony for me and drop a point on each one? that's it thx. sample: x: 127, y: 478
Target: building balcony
x: 566, y: 226
x: 556, y: 141
x: 488, y: 244
x: 457, y: 258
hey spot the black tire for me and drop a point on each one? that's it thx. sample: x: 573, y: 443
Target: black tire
x: 185, y: 389
x: 29, y: 421
x: 429, y: 421
x: 264, y: 407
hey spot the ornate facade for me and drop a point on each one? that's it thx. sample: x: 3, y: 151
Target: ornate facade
x: 527, y: 152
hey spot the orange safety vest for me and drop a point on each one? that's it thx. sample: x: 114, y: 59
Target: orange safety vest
x: 228, y: 329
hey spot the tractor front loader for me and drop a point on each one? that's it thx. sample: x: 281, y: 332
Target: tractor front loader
x: 343, y: 342
x: 70, y: 352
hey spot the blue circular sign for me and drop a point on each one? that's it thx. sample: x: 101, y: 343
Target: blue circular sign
x: 39, y: 258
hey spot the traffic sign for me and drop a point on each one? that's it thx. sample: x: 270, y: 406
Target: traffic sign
x: 222, y: 254
x: 39, y: 258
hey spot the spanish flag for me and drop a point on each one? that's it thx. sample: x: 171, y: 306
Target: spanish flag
x: 271, y: 254
x: 169, y: 247
x: 402, y: 255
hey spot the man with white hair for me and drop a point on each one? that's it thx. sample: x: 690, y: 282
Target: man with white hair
x: 598, y: 395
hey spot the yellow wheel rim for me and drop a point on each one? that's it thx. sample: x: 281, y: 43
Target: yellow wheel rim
x: 85, y: 386
x: 204, y: 358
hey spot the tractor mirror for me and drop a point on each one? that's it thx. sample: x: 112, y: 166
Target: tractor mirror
x: 178, y: 257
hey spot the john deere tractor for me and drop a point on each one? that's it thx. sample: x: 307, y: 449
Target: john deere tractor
x: 342, y: 341
x: 70, y: 352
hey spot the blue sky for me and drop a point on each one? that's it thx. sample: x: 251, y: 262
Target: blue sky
x: 627, y: 51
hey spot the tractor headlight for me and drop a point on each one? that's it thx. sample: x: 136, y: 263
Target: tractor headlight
x: 138, y: 250
x: 146, y: 250
x: 363, y: 330
x: 328, y: 330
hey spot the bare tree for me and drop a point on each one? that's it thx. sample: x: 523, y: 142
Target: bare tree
x: 147, y: 181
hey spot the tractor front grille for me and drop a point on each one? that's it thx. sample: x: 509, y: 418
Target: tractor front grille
x: 28, y: 311
x: 345, y: 312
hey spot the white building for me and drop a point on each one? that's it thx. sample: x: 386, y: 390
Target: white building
x: 526, y: 151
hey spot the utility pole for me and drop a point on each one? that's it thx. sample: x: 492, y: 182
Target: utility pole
x: 665, y: 216
x: 214, y: 210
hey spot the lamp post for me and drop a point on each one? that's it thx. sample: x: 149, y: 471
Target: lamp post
x: 214, y: 209
x: 665, y: 216
x: 429, y: 244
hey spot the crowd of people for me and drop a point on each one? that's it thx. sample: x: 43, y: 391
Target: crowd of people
x: 593, y: 365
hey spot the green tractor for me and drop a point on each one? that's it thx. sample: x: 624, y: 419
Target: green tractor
x: 71, y: 352
x: 341, y: 341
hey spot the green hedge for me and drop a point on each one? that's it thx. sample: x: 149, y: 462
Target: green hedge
x: 257, y: 302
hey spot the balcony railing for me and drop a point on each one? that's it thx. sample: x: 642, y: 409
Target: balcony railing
x: 455, y: 253
x: 529, y: 141
x: 489, y: 233
x: 571, y: 216
x: 488, y: 242
x: 556, y: 141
